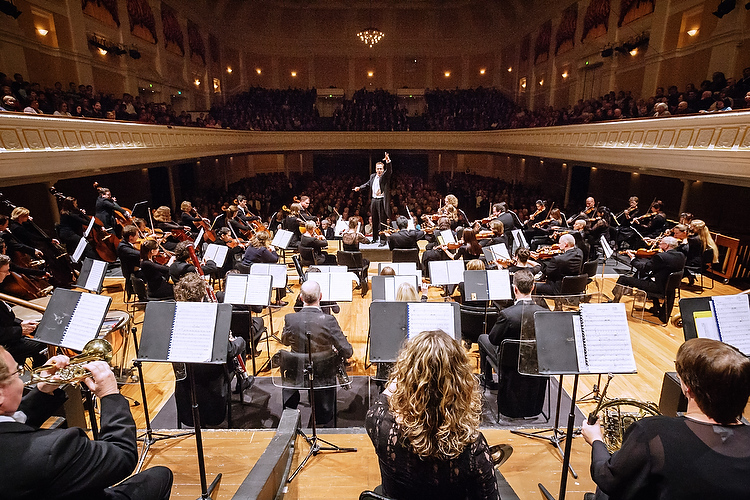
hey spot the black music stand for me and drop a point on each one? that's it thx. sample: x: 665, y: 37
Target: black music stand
x: 159, y: 344
x: 326, y: 380
x: 255, y: 285
x: 558, y: 355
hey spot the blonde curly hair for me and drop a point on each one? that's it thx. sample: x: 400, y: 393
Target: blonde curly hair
x: 436, y: 400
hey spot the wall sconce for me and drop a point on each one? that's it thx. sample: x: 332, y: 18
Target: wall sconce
x: 541, y: 82
x: 692, y: 32
x: 482, y: 71
x: 229, y: 69
x: 370, y: 74
x: 42, y: 31
x: 510, y: 69
x: 634, y: 52
x: 565, y: 74
x: 294, y: 74
x: 103, y: 51
x: 447, y: 74
x: 197, y: 82
x: 257, y: 70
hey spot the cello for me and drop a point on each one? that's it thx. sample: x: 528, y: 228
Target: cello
x: 104, y: 243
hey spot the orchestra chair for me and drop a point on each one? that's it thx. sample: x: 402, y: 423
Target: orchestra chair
x: 298, y: 267
x: 140, y: 290
x: 405, y: 255
x: 707, y: 259
x: 293, y: 375
x: 476, y: 321
x: 668, y: 296
x: 589, y: 269
x: 371, y: 495
x: 509, y: 349
x: 353, y: 263
x: 571, y: 285
x: 242, y: 268
x: 214, y: 390
x: 307, y: 256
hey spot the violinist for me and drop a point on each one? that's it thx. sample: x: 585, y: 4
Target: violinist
x: 498, y: 235
x: 509, y: 218
x: 522, y: 260
x: 568, y: 263
x: 690, y: 245
x: 244, y: 213
x: 154, y: 274
x: 351, y: 238
x: 542, y: 231
x: 317, y: 243
x: 450, y: 209
x: 304, y: 204
x: 469, y: 250
x: 650, y: 225
x: 71, y: 227
x: 597, y: 228
x: 538, y: 216
x: 163, y: 221
x: 14, y: 333
x: 106, y: 206
x: 21, y: 226
x: 130, y: 257
x: 187, y: 219
x: 292, y: 223
x: 433, y: 251
x: 709, y: 250
x: 405, y: 239
x: 627, y: 215
x: 261, y: 251
x: 653, y: 273
x: 236, y: 248
x: 587, y: 212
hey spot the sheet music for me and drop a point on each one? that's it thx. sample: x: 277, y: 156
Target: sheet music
x: 276, y: 271
x: 425, y: 316
x: 340, y: 227
x: 335, y: 287
x: 92, y: 221
x: 500, y: 251
x: 498, y: 284
x: 732, y: 314
x: 581, y: 354
x: 324, y: 280
x: 79, y: 250
x: 258, y: 291
x: 281, y: 238
x: 393, y: 283
x: 330, y: 269
x: 605, y: 246
x: 447, y: 235
x: 85, y: 321
x: 216, y: 253
x: 197, y: 242
x: 234, y: 293
x: 519, y: 238
x: 606, y: 336
x: 400, y: 267
x: 193, y: 332
x: 94, y: 279
x: 705, y: 325
x: 446, y: 272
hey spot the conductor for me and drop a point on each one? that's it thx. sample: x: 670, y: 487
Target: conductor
x: 379, y: 184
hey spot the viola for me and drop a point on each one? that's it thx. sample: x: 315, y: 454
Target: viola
x: 485, y: 234
x: 547, y: 252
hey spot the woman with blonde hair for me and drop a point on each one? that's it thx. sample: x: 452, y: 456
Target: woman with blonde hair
x: 699, y: 228
x: 425, y: 425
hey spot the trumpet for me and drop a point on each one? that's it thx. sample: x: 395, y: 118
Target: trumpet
x: 75, y: 373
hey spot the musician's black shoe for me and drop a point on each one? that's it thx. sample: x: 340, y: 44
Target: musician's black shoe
x: 244, y: 383
x: 656, y: 311
x: 383, y: 243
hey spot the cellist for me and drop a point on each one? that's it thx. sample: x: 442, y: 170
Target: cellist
x: 106, y: 206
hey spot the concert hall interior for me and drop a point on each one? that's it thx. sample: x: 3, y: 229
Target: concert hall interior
x: 602, y: 145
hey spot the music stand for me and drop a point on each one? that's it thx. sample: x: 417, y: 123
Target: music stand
x: 71, y: 319
x: 279, y: 282
x: 250, y: 290
x: 310, y: 371
x: 191, y: 333
x: 565, y: 349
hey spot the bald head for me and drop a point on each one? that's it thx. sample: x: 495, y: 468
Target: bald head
x: 310, y: 293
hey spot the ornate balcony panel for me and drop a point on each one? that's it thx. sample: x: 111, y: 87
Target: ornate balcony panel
x: 712, y: 147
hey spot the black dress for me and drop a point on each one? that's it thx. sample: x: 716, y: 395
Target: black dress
x: 675, y: 458
x: 155, y: 275
x: 405, y: 475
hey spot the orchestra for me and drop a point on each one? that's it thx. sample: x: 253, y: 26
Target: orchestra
x: 155, y: 248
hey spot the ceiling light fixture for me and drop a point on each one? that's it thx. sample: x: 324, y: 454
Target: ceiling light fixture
x: 692, y: 32
x: 103, y: 51
x: 42, y: 31
x: 370, y: 36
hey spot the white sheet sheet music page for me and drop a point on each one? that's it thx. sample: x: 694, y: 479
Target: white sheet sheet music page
x: 235, y: 289
x: 498, y: 284
x: 607, y: 337
x: 258, y: 292
x: 733, y: 317
x: 341, y: 286
x: 439, y: 272
x: 193, y: 332
x: 425, y: 316
x: 98, y: 268
x: 324, y: 280
x: 455, y: 271
x: 389, y: 283
x: 85, y: 321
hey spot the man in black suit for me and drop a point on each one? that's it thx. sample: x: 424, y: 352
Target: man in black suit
x: 379, y: 184
x: 518, y: 395
x: 509, y: 218
x: 65, y: 463
x: 317, y: 243
x: 130, y: 258
x: 14, y: 332
x: 404, y: 238
x: 106, y: 206
x: 325, y: 334
x: 652, y: 274
x: 555, y: 269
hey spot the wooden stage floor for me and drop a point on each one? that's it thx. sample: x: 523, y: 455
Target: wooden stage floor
x: 233, y: 452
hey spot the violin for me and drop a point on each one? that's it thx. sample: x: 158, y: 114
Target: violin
x: 644, y: 216
x: 485, y: 234
x: 547, y: 252
x: 642, y: 253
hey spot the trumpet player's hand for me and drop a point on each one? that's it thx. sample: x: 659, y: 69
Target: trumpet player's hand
x: 28, y: 327
x: 102, y: 381
x: 591, y: 432
x: 50, y: 368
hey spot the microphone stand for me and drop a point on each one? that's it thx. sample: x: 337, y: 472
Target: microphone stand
x: 313, y: 440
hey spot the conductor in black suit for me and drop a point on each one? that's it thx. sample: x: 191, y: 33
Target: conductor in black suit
x: 64, y: 463
x: 555, y: 269
x: 379, y: 184
x: 518, y: 395
x: 325, y: 333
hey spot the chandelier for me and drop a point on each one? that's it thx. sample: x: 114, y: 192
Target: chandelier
x: 370, y: 36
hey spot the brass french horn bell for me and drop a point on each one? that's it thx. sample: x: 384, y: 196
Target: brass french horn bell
x: 75, y: 373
